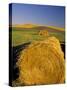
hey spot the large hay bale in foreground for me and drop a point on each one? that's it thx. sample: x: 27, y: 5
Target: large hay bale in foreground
x: 42, y: 63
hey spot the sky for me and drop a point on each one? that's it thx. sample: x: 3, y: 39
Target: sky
x: 38, y: 14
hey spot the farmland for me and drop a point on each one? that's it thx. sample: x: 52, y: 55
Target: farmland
x: 24, y: 35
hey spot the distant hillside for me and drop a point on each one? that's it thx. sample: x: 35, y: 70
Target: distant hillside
x: 37, y: 27
x: 25, y: 25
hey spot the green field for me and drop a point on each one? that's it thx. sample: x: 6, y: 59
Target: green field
x: 23, y: 36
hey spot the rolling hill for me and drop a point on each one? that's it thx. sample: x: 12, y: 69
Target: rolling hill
x: 38, y: 27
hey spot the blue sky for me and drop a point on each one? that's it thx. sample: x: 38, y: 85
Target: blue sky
x: 38, y: 14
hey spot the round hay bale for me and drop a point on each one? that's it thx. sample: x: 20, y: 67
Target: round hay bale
x: 42, y: 63
x: 44, y: 33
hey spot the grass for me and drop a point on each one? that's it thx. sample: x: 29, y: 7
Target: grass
x: 22, y: 36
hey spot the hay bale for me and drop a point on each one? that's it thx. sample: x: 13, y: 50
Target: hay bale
x: 44, y: 33
x: 42, y: 63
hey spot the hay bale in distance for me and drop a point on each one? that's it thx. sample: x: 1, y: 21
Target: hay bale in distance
x: 44, y: 33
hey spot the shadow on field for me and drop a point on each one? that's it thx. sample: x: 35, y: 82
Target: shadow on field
x: 16, y: 52
x: 15, y: 55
